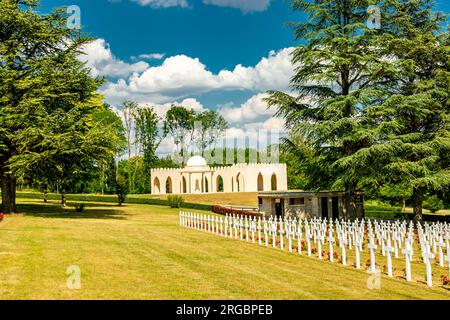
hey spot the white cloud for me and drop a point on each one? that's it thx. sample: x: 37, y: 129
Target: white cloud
x: 181, y: 76
x: 99, y: 58
x: 253, y: 109
x: 245, y: 6
x: 163, y: 3
x: 156, y: 56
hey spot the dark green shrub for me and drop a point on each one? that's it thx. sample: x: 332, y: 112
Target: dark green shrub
x: 175, y: 201
x: 121, y: 190
x: 79, y: 207
x: 401, y: 215
x: 433, y: 203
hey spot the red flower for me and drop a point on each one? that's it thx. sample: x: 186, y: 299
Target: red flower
x: 1, y: 216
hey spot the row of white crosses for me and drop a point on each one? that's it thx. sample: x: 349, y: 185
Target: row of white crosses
x: 391, y: 238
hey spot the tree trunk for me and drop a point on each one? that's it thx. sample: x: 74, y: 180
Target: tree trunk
x: 350, y: 204
x: 8, y: 184
x: 63, y: 195
x: 417, y: 203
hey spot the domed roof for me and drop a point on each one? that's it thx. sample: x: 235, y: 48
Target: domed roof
x: 196, y: 161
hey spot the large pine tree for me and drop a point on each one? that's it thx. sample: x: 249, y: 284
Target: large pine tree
x: 47, y: 100
x: 336, y: 67
x: 411, y: 124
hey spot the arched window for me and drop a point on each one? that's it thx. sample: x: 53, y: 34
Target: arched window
x: 260, y: 182
x: 156, y: 186
x: 219, y: 184
x: 239, y: 183
x: 206, y: 185
x: 274, y: 182
x: 184, y: 188
x: 197, y: 185
x: 169, y: 185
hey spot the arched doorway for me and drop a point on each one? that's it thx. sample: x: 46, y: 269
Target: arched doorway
x: 273, y: 182
x: 260, y: 182
x: 239, y: 183
x: 169, y: 185
x: 184, y: 186
x: 219, y: 184
x: 206, y: 185
x: 197, y: 185
x: 156, y: 186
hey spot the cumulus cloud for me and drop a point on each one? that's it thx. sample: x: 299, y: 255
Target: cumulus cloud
x: 163, y: 3
x: 253, y: 109
x: 245, y: 6
x: 182, y: 76
x: 102, y: 62
x: 179, y: 79
x: 149, y: 56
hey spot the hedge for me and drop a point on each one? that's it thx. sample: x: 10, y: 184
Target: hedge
x: 224, y: 210
x: 110, y: 199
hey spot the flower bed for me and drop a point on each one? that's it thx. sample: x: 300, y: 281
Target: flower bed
x: 224, y: 210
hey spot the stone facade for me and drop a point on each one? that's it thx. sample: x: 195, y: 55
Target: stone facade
x: 198, y: 177
x: 329, y: 204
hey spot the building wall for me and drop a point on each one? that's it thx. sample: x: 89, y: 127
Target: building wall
x: 312, y: 206
x: 236, y: 178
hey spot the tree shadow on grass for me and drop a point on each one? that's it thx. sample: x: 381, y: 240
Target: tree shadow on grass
x: 56, y: 211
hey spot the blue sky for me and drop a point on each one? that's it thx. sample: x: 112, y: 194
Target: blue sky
x: 220, y: 35
x: 204, y: 54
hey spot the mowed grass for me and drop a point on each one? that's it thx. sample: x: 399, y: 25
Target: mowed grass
x: 141, y: 252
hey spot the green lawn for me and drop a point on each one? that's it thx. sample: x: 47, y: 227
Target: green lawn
x: 140, y: 252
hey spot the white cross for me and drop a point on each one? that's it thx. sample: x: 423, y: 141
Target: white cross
x: 246, y: 228
x: 330, y: 243
x: 253, y: 228
x: 281, y: 236
x: 274, y: 234
x: 357, y: 253
x: 308, y: 240
x: 389, y: 250
x: 427, y: 256
x: 299, y: 238
x: 259, y: 231
x: 408, y: 252
x: 342, y: 244
x: 319, y: 247
x: 440, y: 244
x: 289, y: 237
x: 372, y: 247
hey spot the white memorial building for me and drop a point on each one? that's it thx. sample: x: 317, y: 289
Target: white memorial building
x: 198, y: 177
